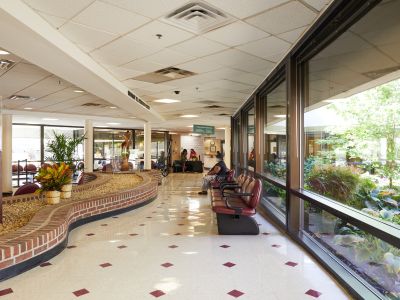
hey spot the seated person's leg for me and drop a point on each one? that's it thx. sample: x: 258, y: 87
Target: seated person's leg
x: 206, y: 184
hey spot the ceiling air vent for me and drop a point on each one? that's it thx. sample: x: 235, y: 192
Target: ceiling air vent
x: 138, y: 100
x: 198, y: 17
x: 91, y: 104
x: 20, y: 97
x: 6, y: 64
x: 163, y: 75
x: 379, y: 73
x: 213, y: 106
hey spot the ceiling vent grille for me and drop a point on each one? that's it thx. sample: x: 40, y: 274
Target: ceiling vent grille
x: 213, y: 106
x: 198, y: 17
x: 21, y: 97
x: 6, y: 64
x: 91, y: 104
x: 163, y: 75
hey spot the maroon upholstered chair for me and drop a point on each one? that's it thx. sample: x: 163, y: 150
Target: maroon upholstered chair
x: 235, y: 211
x: 30, y: 168
x: 28, y: 188
x: 16, y: 167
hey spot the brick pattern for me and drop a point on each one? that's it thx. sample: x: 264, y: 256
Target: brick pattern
x: 49, y: 227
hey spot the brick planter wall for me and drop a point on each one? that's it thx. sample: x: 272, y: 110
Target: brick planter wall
x: 24, y: 248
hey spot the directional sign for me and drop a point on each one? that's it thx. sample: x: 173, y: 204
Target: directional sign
x: 204, y: 129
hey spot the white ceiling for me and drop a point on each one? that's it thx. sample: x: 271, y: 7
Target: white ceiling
x: 120, y: 35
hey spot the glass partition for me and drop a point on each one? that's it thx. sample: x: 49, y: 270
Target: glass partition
x: 352, y: 117
x: 275, y: 118
x: 251, y: 154
x: 109, y: 147
x: 26, y: 144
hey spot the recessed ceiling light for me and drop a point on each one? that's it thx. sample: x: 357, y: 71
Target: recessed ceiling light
x: 189, y: 116
x: 280, y: 116
x: 112, y: 107
x: 172, y: 133
x: 132, y: 117
x: 113, y: 123
x: 102, y: 126
x: 28, y: 108
x: 49, y: 119
x: 78, y: 91
x: 221, y: 128
x: 167, y: 101
x: 190, y: 126
x: 4, y: 52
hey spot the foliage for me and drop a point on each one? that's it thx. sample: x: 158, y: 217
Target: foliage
x: 374, y: 250
x: 375, y: 115
x: 337, y: 182
x: 276, y: 169
x: 52, y: 178
x: 62, y: 148
x: 383, y: 203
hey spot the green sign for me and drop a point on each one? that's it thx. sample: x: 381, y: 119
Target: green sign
x: 203, y: 129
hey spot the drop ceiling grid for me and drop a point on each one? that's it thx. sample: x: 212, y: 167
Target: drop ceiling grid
x: 121, y: 48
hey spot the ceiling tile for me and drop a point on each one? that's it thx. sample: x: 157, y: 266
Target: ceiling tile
x: 54, y: 21
x: 122, y: 73
x: 236, y: 34
x: 169, y: 57
x: 170, y: 35
x: 266, y: 48
x: 85, y: 36
x: 45, y: 87
x: 144, y: 65
x: 318, y: 4
x: 110, y: 18
x: 245, y: 8
x: 121, y: 51
x: 199, y: 47
x: 59, y: 8
x: 200, y: 65
x: 150, y: 8
x: 230, y: 57
x: 293, y: 35
x: 283, y: 18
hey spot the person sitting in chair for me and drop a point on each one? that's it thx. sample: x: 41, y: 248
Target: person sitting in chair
x: 219, y: 170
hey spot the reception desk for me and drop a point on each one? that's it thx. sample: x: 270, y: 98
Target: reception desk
x: 194, y: 166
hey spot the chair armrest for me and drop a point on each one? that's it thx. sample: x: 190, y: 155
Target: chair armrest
x: 238, y: 210
x: 240, y: 194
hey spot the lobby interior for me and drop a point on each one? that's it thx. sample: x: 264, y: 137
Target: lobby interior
x: 301, y: 97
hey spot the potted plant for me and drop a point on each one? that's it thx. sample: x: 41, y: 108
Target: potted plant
x: 52, y: 179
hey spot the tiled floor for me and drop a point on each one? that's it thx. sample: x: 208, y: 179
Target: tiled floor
x: 170, y: 250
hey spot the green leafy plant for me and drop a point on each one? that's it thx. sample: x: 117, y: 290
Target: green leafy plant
x: 336, y: 182
x: 62, y: 148
x: 52, y: 178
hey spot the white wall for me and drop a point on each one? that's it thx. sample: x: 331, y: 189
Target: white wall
x: 193, y: 142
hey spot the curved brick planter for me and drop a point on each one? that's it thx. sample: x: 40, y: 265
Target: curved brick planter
x: 46, y: 234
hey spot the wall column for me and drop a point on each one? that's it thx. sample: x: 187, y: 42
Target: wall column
x: 228, y: 145
x: 147, y: 146
x: 88, y: 144
x: 6, y: 156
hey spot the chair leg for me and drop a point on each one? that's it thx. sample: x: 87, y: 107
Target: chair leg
x: 237, y: 225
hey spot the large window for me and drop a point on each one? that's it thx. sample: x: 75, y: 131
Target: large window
x: 26, y: 144
x: 69, y: 132
x: 352, y: 117
x: 157, y: 144
x: 108, y: 146
x: 251, y: 152
x: 275, y: 149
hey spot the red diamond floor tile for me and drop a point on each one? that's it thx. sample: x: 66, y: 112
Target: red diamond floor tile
x: 157, y: 293
x: 224, y: 246
x: 167, y: 265
x: 80, y: 292
x: 115, y: 217
x: 71, y: 247
x: 6, y: 292
x: 90, y: 234
x: 173, y: 246
x: 105, y: 265
x: 291, y: 264
x: 122, y: 247
x: 133, y: 234
x: 142, y: 224
x: 276, y: 246
x: 181, y: 224
x: 266, y: 233
x: 235, y: 293
x: 104, y: 225
x: 229, y: 264
x: 148, y: 217
x: 313, y: 293
x: 177, y: 233
x: 45, y: 264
